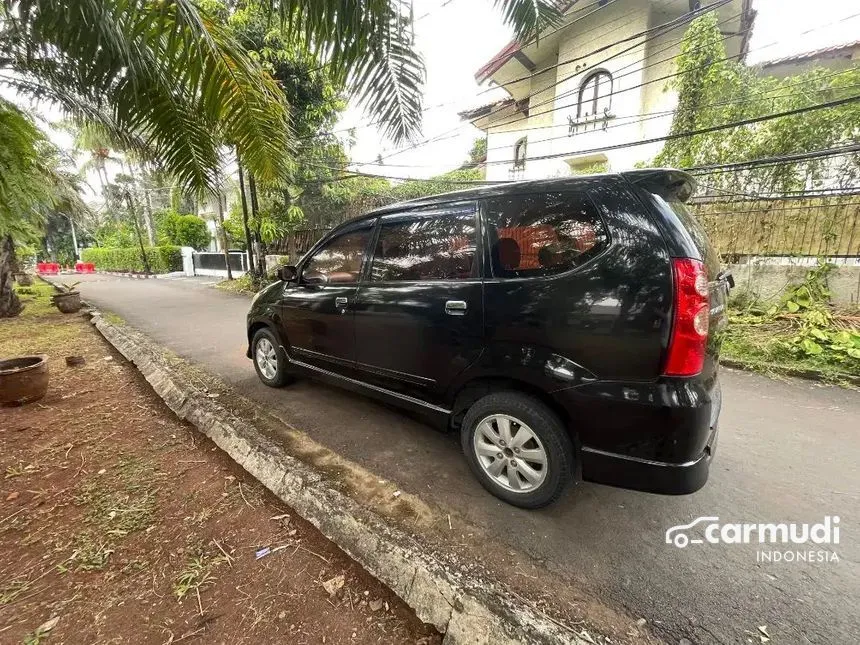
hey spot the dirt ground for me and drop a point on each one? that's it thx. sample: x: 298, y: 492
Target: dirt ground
x: 119, y: 523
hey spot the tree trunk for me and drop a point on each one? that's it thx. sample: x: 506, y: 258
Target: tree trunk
x: 255, y: 211
x: 249, y: 246
x: 133, y: 212
x: 10, y: 305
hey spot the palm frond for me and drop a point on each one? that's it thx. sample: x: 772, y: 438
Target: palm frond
x: 369, y: 43
x: 529, y: 17
x: 158, y: 75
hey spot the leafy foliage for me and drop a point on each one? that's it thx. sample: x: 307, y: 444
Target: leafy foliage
x: 355, y: 196
x: 162, y: 259
x: 713, y: 90
x: 800, y: 333
x: 161, y: 77
x: 182, y: 230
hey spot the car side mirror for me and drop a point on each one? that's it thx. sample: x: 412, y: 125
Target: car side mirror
x: 287, y: 273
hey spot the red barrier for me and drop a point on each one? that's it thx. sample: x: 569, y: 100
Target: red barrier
x: 47, y: 268
x: 85, y: 267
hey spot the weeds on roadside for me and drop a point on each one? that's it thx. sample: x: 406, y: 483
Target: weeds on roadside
x: 800, y: 333
x: 196, y: 574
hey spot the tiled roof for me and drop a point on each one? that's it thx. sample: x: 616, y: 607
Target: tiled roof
x: 815, y: 53
x: 483, y: 110
x: 507, y: 52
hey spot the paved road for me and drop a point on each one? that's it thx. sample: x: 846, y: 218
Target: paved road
x: 789, y: 451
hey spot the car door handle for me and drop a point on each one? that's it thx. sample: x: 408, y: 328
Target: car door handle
x: 341, y: 302
x: 455, y: 308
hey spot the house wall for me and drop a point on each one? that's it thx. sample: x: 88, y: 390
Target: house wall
x: 640, y: 90
x: 547, y: 127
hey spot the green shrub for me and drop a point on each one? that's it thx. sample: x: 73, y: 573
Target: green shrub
x: 162, y: 259
x: 182, y: 230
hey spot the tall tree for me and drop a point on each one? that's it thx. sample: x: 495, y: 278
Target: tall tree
x: 29, y: 184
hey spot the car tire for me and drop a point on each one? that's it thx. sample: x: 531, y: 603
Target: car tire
x: 270, y: 362
x: 483, y: 431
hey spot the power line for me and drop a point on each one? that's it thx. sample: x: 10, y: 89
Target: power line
x: 690, y: 133
x: 518, y: 119
x: 447, y: 103
x: 637, y: 121
x: 558, y: 82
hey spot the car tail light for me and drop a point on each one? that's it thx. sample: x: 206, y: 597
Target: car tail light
x: 690, y: 321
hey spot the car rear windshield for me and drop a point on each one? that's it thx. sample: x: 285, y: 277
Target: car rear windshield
x: 667, y: 199
x: 543, y: 233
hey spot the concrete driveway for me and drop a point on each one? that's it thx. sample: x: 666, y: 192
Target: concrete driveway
x: 789, y: 451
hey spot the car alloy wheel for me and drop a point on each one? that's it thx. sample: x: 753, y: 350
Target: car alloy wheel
x: 266, y: 358
x: 509, y: 452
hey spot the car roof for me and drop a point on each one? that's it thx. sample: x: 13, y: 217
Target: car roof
x: 578, y: 182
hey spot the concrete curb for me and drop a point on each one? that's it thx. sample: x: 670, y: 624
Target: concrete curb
x: 138, y: 276
x: 464, y: 606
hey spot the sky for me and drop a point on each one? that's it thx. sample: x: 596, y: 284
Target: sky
x: 456, y: 37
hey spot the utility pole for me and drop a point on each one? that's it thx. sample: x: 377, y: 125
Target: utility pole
x: 255, y: 212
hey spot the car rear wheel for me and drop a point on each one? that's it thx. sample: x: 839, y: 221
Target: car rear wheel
x: 518, y: 449
x: 269, y: 360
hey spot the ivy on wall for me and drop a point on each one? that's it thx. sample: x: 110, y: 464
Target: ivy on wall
x: 713, y: 91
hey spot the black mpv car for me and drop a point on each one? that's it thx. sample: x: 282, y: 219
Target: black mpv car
x: 567, y: 328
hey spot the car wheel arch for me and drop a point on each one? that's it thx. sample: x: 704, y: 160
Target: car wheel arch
x: 256, y: 326
x: 479, y: 387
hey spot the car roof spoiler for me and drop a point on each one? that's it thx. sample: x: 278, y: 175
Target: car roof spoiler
x: 677, y: 182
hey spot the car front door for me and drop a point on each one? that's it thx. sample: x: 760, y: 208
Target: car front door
x: 418, y: 311
x: 317, y: 310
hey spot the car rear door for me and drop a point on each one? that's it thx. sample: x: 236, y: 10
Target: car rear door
x: 418, y: 311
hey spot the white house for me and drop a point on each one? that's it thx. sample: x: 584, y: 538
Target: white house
x: 600, y: 79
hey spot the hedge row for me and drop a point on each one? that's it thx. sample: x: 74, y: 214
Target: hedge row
x: 162, y: 259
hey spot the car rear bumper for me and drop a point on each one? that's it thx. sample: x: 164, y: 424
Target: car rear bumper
x: 646, y: 475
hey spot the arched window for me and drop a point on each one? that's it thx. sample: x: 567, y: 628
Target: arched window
x: 595, y: 95
x: 520, y: 153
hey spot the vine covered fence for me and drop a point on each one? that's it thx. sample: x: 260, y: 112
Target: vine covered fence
x: 818, y: 226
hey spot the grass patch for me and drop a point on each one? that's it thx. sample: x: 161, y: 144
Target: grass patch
x: 36, y: 299
x: 122, y: 501
x: 90, y: 554
x: 196, y: 574
x: 113, y: 318
x: 244, y: 285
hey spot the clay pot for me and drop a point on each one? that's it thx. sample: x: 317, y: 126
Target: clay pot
x: 24, y: 279
x: 23, y: 380
x: 69, y: 302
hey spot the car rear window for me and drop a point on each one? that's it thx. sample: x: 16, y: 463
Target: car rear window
x: 697, y: 232
x: 543, y: 233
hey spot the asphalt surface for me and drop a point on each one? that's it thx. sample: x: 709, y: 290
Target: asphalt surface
x: 788, y: 452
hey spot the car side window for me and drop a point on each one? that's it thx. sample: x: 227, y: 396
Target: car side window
x: 542, y: 233
x: 339, y: 260
x: 437, y: 245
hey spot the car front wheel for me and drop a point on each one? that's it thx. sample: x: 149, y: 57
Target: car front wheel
x: 269, y: 360
x: 518, y: 449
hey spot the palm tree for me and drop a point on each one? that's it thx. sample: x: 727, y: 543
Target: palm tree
x: 29, y: 183
x: 170, y: 73
x: 160, y: 77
